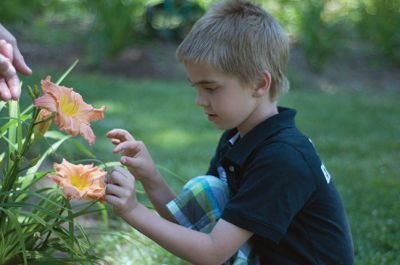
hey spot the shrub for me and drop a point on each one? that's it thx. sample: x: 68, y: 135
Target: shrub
x: 379, y: 24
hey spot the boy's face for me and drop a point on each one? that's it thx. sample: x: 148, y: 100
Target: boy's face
x: 226, y: 102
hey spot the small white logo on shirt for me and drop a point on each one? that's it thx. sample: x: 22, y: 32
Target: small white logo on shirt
x: 326, y: 173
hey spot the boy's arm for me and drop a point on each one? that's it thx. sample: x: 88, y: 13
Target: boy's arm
x: 196, y: 247
x: 193, y: 246
x: 159, y: 195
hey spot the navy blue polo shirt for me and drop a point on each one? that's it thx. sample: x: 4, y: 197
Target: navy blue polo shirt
x: 283, y: 194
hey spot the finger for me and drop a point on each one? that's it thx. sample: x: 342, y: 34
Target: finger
x: 117, y: 178
x: 6, y: 49
x: 129, y: 161
x: 113, y: 200
x: 7, y: 70
x: 123, y: 172
x: 120, y: 134
x: 132, y: 146
x: 115, y: 141
x: 4, y: 92
x: 14, y: 85
x: 19, y: 62
x: 115, y: 190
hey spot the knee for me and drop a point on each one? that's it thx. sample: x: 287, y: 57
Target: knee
x: 206, y: 180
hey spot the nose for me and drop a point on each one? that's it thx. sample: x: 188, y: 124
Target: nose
x: 201, y: 99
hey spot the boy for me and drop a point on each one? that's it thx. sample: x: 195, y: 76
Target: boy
x: 279, y: 204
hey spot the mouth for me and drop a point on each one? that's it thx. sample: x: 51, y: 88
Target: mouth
x: 211, y: 117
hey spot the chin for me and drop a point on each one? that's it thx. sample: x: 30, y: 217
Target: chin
x: 223, y: 126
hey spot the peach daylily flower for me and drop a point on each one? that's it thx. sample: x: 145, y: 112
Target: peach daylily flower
x: 73, y: 115
x: 80, y: 181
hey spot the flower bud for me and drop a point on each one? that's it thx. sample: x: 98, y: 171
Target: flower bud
x: 34, y: 161
x: 36, y: 91
x: 13, y: 156
x: 42, y: 124
x: 31, y: 93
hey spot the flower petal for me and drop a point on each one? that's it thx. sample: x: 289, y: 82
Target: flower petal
x: 46, y: 102
x: 91, y: 115
x: 87, y: 133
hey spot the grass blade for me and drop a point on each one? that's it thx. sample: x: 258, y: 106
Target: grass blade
x: 32, y: 171
x: 67, y: 72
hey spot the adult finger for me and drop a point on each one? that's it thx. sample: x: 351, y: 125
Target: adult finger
x: 19, y: 62
x: 120, y: 134
x: 115, y: 141
x: 133, y: 147
x: 7, y: 70
x: 14, y: 86
x: 6, y: 49
x: 4, y: 92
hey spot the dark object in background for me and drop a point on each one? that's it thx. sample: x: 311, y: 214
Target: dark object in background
x: 172, y: 19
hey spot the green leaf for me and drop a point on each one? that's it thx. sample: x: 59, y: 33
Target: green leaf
x: 12, y: 122
x: 32, y: 171
x: 54, y: 135
x: 110, y: 164
x: 104, y: 214
x: 83, y: 149
x: 67, y: 72
x: 2, y: 104
x: 19, y: 233
x: 12, y: 130
x: 28, y: 109
x: 19, y: 130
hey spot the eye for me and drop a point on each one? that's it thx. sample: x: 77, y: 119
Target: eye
x: 211, y: 89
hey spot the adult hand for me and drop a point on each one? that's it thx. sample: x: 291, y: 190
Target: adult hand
x: 135, y: 156
x: 11, y: 61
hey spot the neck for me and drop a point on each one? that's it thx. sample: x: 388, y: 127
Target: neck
x: 263, y: 112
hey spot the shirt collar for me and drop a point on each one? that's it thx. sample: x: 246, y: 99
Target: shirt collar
x: 243, y: 147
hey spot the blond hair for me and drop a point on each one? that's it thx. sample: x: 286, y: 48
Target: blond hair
x: 239, y: 38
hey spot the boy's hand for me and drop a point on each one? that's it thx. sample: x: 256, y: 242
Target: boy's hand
x: 134, y: 155
x: 120, y: 191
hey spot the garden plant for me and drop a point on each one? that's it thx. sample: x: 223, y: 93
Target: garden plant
x: 38, y: 222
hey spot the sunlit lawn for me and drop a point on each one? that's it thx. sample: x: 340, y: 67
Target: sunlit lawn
x: 356, y: 132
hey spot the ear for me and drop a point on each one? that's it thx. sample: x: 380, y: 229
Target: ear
x: 264, y: 84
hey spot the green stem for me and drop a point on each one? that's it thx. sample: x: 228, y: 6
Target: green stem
x: 10, y: 178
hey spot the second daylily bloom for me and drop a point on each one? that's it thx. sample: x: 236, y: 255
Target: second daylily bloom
x: 80, y: 181
x: 73, y: 115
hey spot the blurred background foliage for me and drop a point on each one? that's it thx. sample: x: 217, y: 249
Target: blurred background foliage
x: 106, y: 27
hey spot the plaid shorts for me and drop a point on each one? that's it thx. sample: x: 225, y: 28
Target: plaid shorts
x: 200, y: 205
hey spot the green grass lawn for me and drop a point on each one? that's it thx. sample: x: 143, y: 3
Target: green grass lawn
x: 356, y: 133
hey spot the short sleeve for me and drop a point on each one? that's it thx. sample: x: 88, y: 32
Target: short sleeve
x: 275, y: 186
